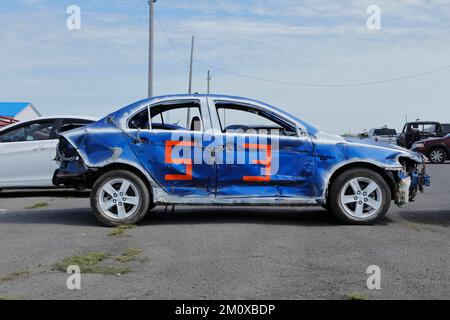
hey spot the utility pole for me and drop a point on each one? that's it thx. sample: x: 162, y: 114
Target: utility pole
x: 190, y: 65
x: 208, y: 79
x: 150, y: 47
x: 188, y: 118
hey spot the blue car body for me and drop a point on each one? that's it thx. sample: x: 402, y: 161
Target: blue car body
x: 307, y: 162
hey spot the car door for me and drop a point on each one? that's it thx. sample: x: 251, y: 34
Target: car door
x: 262, y: 154
x: 26, y: 152
x: 174, y: 145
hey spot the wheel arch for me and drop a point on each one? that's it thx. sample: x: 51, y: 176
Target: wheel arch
x: 440, y: 146
x: 385, y: 174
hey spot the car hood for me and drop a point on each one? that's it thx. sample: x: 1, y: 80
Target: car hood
x: 375, y: 144
x: 377, y: 147
x: 431, y: 139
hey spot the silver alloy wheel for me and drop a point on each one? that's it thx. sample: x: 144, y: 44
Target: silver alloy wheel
x: 119, y: 198
x: 361, y: 197
x: 437, y: 155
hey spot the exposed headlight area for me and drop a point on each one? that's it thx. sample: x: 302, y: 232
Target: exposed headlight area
x: 410, y: 180
x: 418, y: 145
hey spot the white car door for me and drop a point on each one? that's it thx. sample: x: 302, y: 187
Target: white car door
x: 26, y: 154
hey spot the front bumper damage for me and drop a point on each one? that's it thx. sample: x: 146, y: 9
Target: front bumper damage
x: 409, y: 182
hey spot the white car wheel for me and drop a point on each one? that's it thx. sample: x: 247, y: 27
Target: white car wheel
x: 120, y: 197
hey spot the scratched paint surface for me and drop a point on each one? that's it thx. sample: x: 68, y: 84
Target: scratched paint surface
x: 305, y: 163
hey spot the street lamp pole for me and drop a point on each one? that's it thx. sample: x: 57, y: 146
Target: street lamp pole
x: 191, y: 65
x: 208, y: 79
x: 150, y: 47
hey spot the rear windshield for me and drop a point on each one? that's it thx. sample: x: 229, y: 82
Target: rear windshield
x: 446, y: 127
x: 385, y: 132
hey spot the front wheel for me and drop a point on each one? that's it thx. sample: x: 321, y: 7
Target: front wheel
x: 438, y: 155
x: 360, y: 196
x: 120, y: 197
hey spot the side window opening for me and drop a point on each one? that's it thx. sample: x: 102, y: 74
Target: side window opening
x: 140, y: 120
x: 70, y: 124
x: 179, y: 116
x: 36, y: 131
x: 234, y: 117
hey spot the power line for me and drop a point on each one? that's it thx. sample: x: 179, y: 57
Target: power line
x: 356, y: 84
x: 300, y: 84
x: 184, y: 61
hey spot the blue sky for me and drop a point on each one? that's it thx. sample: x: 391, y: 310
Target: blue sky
x: 103, y: 66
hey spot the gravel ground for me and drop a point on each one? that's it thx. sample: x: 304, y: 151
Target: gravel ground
x: 227, y: 253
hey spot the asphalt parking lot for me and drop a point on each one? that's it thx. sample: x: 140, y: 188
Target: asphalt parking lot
x: 225, y: 253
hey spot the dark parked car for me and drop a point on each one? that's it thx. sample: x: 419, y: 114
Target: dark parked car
x: 437, y: 149
x: 421, y: 130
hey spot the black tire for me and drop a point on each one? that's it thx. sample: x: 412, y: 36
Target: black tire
x: 437, y: 155
x: 327, y: 205
x: 139, y: 187
x: 342, y: 210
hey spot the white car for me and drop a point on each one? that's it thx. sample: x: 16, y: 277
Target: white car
x: 384, y: 134
x: 28, y: 150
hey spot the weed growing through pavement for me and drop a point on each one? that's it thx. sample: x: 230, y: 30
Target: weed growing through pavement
x: 15, y: 275
x: 119, y: 230
x: 357, y: 296
x: 101, y: 263
x: 37, y: 205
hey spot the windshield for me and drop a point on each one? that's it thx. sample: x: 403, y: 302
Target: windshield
x: 385, y: 132
x: 446, y: 128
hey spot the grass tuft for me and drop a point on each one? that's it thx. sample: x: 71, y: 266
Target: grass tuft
x: 14, y: 275
x: 357, y: 296
x: 37, y: 205
x: 91, y: 263
x: 129, y: 255
x: 119, y: 230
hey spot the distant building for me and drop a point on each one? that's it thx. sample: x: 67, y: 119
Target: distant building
x: 19, y: 111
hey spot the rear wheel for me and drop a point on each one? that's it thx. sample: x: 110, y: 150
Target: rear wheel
x: 120, y: 197
x: 438, y: 155
x: 360, y: 196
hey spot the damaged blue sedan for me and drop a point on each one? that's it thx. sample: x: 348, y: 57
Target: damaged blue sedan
x: 225, y: 150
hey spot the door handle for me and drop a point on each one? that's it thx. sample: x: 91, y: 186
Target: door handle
x: 40, y: 148
x: 227, y: 148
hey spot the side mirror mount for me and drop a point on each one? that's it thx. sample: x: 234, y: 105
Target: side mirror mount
x: 300, y: 131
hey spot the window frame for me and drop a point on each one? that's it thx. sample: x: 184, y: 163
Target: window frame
x: 217, y: 103
x: 52, y: 136
x: 169, y: 102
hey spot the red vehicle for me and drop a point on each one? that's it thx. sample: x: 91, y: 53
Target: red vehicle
x: 437, y: 149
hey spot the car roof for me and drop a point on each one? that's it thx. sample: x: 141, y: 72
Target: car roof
x: 379, y: 128
x: 309, y: 127
x: 93, y: 119
x: 423, y: 122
